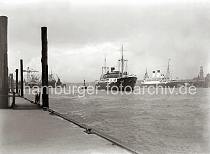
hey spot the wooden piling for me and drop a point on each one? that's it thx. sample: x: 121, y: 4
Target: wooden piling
x: 45, y: 96
x: 21, y: 78
x: 16, y: 85
x: 3, y: 63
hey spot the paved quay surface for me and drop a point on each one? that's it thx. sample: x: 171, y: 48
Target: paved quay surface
x: 28, y: 129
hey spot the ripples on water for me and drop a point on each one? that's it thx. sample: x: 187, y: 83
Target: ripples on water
x: 149, y: 124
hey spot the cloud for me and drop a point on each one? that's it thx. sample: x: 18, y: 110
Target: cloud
x: 79, y: 36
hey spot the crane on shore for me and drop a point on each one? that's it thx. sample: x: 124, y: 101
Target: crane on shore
x: 29, y: 71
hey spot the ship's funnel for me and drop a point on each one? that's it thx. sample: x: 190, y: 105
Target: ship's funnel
x: 153, y: 74
x: 158, y: 74
x: 112, y: 69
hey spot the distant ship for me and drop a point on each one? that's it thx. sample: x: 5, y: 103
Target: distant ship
x: 34, y: 81
x: 116, y: 80
x: 159, y: 79
x: 53, y: 83
x: 32, y: 78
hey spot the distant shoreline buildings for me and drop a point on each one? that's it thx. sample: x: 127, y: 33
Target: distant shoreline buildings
x: 201, y: 81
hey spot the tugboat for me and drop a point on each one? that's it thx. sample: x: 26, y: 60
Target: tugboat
x: 117, y: 80
x: 84, y: 86
x: 59, y: 83
x: 51, y: 80
x: 53, y: 83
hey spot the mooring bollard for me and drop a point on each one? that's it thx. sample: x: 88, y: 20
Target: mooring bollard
x: 11, y: 83
x: 13, y: 99
x: 37, y: 98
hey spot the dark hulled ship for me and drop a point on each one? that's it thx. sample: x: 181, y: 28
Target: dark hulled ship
x: 112, y: 79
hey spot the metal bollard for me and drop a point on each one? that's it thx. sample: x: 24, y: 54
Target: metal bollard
x: 13, y: 99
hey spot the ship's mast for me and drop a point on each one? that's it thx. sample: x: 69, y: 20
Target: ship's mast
x: 122, y: 62
x: 105, y: 65
x: 168, y: 70
x: 146, y: 74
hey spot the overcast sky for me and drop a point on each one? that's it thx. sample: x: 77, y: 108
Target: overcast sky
x: 82, y: 33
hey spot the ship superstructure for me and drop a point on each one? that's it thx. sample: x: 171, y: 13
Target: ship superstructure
x: 159, y: 79
x: 120, y: 79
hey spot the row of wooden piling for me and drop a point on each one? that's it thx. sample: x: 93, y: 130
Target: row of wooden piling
x: 4, y: 87
x: 17, y: 91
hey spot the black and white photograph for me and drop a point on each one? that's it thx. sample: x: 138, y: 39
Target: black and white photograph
x: 104, y: 77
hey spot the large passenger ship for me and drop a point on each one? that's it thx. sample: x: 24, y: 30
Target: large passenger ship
x: 159, y: 79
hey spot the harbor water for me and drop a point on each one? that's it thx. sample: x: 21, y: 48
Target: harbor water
x: 147, y: 123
